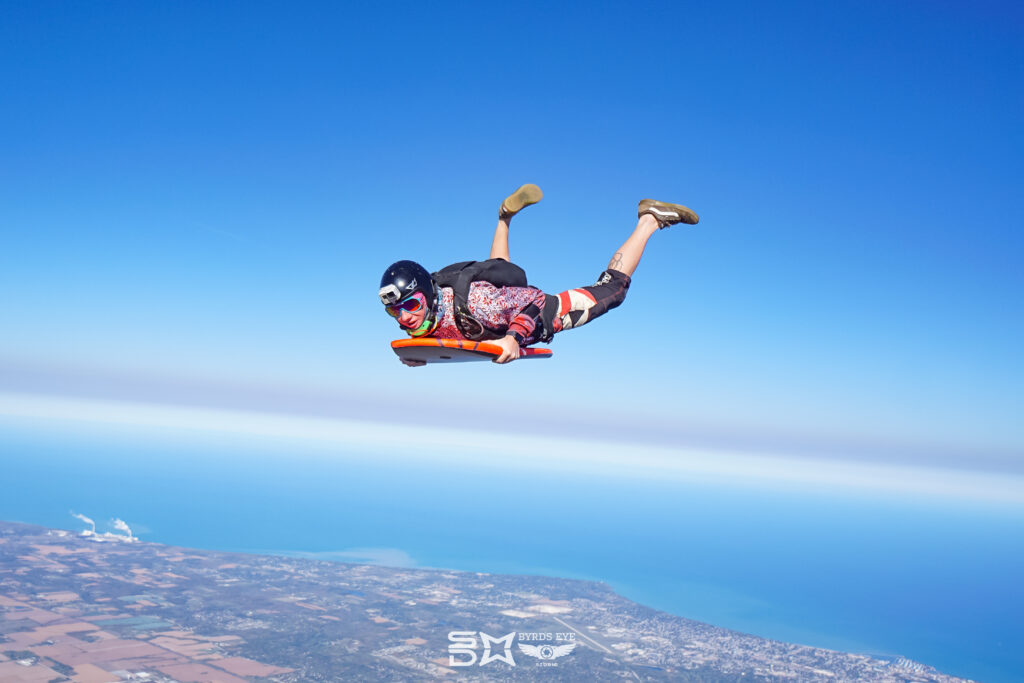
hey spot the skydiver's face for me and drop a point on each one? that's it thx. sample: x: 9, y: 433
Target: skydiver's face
x: 411, y: 312
x: 412, y: 320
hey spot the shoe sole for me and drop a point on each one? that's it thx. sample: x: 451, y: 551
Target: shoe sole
x: 667, y: 214
x: 521, y: 198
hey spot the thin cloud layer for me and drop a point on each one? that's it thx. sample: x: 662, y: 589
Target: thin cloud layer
x: 22, y: 376
x: 465, y: 448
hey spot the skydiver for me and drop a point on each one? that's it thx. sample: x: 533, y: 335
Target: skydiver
x: 493, y: 301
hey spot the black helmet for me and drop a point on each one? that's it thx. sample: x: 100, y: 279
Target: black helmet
x: 403, y: 279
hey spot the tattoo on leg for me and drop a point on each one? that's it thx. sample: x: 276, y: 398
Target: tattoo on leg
x: 616, y: 262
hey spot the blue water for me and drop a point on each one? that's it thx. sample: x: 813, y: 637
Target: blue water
x: 939, y: 583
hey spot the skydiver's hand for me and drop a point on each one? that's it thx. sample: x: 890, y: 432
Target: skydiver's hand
x: 412, y: 363
x: 509, y: 349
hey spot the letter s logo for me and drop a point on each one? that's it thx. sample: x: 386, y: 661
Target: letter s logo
x: 463, y: 643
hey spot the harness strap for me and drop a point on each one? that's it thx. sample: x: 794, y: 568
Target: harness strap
x: 460, y: 276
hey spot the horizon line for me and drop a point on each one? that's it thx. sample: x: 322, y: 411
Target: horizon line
x: 463, y: 447
x: 66, y: 379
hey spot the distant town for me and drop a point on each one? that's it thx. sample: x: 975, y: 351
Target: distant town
x: 104, y: 608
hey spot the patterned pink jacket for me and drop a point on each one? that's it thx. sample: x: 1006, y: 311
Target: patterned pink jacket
x: 493, y: 306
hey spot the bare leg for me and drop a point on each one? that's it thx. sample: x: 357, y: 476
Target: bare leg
x: 514, y: 203
x: 499, y: 246
x: 628, y: 256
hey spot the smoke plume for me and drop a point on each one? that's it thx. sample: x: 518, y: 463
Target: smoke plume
x: 120, y: 525
x: 87, y: 521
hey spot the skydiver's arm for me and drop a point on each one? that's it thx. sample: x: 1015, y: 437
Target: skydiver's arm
x: 528, y: 319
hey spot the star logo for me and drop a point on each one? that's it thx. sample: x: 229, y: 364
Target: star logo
x: 506, y: 656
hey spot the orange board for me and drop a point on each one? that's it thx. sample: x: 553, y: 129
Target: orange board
x: 430, y: 350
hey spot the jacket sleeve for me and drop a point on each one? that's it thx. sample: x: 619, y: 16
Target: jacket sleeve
x: 527, y: 320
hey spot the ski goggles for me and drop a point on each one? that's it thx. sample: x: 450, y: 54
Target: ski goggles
x: 413, y: 304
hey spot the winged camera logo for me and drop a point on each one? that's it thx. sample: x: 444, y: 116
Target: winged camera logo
x: 547, y: 651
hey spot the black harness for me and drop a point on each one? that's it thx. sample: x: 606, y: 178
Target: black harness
x: 459, y: 276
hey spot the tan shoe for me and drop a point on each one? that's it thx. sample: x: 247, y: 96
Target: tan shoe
x: 519, y: 200
x: 667, y: 214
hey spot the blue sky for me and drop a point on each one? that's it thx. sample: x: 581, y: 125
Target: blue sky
x: 197, y: 202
